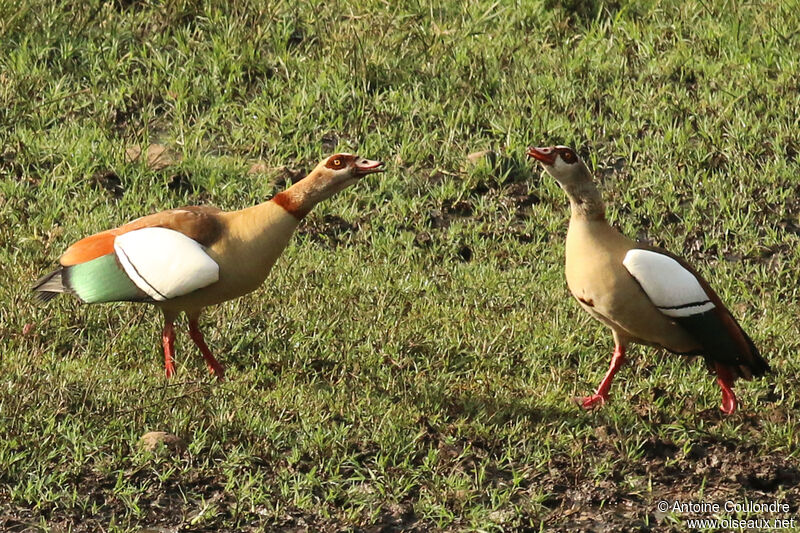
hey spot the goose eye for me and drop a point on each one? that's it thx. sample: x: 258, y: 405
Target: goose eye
x: 567, y: 156
x: 337, y: 163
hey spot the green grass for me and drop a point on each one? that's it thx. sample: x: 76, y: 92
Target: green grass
x: 410, y: 363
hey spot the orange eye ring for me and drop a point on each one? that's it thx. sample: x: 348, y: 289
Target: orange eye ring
x: 337, y: 162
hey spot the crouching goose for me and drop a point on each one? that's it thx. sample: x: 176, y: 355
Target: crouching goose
x: 644, y: 294
x: 184, y: 260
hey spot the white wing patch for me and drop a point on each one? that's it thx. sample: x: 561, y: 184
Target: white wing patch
x: 673, y: 289
x: 165, y: 263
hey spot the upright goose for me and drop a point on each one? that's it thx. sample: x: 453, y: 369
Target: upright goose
x: 644, y: 294
x: 184, y: 260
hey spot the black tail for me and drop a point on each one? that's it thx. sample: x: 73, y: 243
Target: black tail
x: 757, y: 364
x: 724, y: 341
x: 49, y: 286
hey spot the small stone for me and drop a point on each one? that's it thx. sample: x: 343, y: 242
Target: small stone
x: 601, y: 433
x: 489, y: 155
x: 158, y: 156
x: 258, y: 167
x: 155, y: 440
x: 132, y: 153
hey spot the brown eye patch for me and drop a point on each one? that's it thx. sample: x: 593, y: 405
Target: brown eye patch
x: 339, y: 161
x: 567, y: 155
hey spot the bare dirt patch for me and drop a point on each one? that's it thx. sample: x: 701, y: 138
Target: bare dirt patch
x: 710, y: 470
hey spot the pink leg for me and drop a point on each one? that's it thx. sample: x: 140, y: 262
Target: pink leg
x: 601, y: 396
x: 725, y: 381
x: 213, y: 366
x: 168, y: 340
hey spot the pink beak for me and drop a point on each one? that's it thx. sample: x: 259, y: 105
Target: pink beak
x: 545, y: 155
x: 368, y: 166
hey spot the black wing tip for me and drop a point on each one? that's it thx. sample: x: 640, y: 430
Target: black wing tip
x: 750, y: 364
x: 50, y: 285
x: 720, y: 337
x: 758, y: 365
x: 45, y: 296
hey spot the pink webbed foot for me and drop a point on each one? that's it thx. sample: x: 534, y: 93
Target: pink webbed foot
x: 595, y: 401
x: 216, y: 369
x: 725, y: 382
x: 729, y: 404
x: 599, y: 398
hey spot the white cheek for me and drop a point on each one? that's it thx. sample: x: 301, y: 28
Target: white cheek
x: 559, y: 166
x: 560, y: 170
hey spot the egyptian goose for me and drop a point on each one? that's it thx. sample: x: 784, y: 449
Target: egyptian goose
x: 184, y: 260
x: 643, y: 293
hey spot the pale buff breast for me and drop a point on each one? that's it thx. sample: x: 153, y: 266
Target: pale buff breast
x: 253, y: 239
x: 598, y: 279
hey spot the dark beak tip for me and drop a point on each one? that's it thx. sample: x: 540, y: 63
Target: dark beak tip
x: 376, y: 166
x: 541, y: 155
